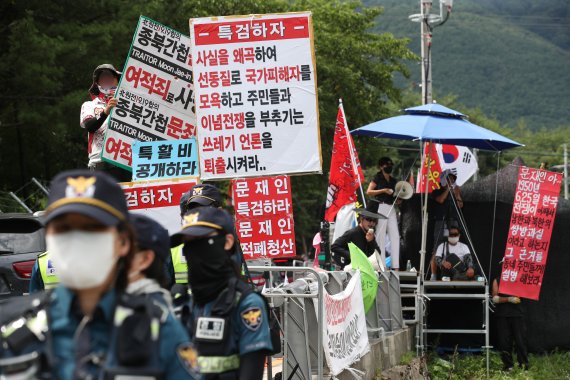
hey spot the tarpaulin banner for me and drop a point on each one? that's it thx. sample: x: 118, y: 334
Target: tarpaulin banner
x: 159, y: 200
x: 256, y: 95
x: 264, y: 217
x: 532, y: 221
x: 345, y: 339
x: 155, y: 95
x: 165, y: 159
x: 344, y: 179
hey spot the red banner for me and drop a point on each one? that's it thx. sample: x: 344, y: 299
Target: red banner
x: 343, y: 182
x: 264, y: 217
x: 532, y: 221
x: 431, y: 168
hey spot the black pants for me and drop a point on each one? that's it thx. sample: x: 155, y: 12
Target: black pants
x: 509, y: 329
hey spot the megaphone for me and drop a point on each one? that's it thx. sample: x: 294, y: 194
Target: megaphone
x: 403, y: 190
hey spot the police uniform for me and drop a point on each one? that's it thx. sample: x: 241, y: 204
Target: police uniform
x: 179, y: 265
x: 46, y: 335
x: 235, y: 322
x: 44, y: 274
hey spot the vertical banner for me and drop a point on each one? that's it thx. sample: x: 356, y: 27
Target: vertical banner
x: 256, y: 95
x: 264, y: 217
x: 345, y: 339
x: 343, y: 177
x: 532, y: 221
x: 164, y: 159
x: 430, y: 171
x: 159, y: 200
x: 155, y: 95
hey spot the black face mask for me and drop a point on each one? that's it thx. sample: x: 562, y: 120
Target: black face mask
x: 209, y: 267
x: 387, y: 169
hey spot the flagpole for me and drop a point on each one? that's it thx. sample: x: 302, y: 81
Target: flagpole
x: 351, y: 152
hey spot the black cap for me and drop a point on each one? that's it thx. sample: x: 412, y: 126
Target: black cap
x: 91, y: 193
x: 370, y: 211
x: 201, y: 222
x: 151, y: 235
x: 94, y: 90
x: 200, y: 195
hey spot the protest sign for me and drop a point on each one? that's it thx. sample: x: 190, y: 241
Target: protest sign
x: 164, y: 159
x: 264, y: 217
x: 256, y: 95
x: 159, y: 200
x: 155, y: 95
x: 345, y: 339
x: 532, y: 221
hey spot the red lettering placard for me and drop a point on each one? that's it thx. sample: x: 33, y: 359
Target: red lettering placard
x: 532, y: 221
x: 264, y: 217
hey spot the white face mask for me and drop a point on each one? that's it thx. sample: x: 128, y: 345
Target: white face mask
x: 453, y: 240
x: 107, y: 90
x: 83, y: 259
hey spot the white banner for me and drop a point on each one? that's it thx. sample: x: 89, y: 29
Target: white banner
x: 155, y: 95
x: 345, y: 339
x: 159, y: 199
x: 256, y: 95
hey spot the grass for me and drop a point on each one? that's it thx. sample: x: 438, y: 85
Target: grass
x: 553, y: 366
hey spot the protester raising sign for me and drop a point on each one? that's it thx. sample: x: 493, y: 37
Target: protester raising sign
x: 256, y: 95
x: 345, y: 339
x: 532, y: 221
x: 155, y: 94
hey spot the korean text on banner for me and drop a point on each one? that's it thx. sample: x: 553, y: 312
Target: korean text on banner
x: 431, y: 169
x: 264, y: 217
x: 155, y: 94
x: 532, y: 221
x: 159, y: 200
x: 344, y: 179
x: 164, y: 159
x: 345, y: 339
x: 256, y: 95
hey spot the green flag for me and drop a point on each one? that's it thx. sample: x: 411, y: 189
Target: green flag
x: 369, y: 280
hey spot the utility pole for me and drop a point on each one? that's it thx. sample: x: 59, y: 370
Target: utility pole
x: 428, y: 22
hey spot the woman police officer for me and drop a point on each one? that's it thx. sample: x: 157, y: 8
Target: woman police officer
x: 229, y: 323
x: 88, y: 327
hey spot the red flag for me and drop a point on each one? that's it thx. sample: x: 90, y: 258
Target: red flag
x: 343, y: 180
x: 431, y: 168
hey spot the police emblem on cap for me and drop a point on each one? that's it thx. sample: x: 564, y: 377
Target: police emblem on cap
x: 191, y: 218
x: 80, y: 187
x: 197, y: 191
x: 252, y: 318
x: 188, y: 356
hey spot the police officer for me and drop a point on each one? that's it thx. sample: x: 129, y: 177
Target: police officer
x: 147, y: 271
x: 199, y: 195
x: 44, y: 274
x: 88, y: 327
x: 229, y: 322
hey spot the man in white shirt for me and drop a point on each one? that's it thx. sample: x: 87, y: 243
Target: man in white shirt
x: 94, y: 118
x: 454, y: 258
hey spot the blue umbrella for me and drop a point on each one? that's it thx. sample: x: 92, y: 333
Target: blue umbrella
x: 438, y: 124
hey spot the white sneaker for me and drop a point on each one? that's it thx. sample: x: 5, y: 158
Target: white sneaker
x: 433, y: 277
x: 445, y: 278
